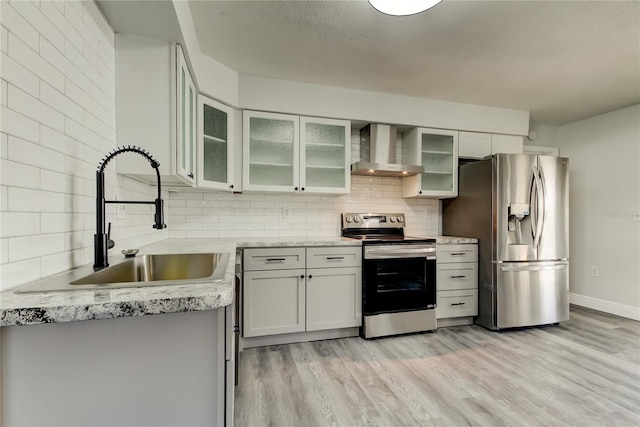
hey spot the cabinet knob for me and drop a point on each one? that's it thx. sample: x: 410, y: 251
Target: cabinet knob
x: 302, y: 189
x: 302, y: 276
x: 190, y: 175
x: 231, y: 186
x: 420, y: 192
x: 295, y: 188
x: 310, y: 276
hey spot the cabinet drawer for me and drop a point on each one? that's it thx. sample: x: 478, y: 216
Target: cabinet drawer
x: 463, y: 275
x: 461, y: 303
x: 273, y: 259
x: 323, y: 257
x: 457, y: 253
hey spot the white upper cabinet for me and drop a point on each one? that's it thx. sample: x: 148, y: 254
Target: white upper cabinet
x: 325, y: 155
x: 476, y: 145
x: 215, y: 153
x: 270, y: 151
x: 506, y: 144
x: 186, y: 96
x: 155, y: 110
x: 437, y: 151
x: 287, y: 153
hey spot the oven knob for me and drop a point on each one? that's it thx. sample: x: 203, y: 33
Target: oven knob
x: 356, y: 219
x: 400, y: 218
x: 393, y: 219
x: 349, y: 219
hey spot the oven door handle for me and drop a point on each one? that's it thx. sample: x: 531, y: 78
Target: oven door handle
x: 388, y: 252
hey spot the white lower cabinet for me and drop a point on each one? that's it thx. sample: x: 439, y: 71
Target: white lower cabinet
x: 456, y: 284
x: 334, y: 298
x: 274, y: 302
x: 281, y: 298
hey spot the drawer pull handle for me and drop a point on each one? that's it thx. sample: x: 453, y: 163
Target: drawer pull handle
x: 458, y: 303
x: 275, y: 259
x: 458, y: 253
x: 334, y: 257
x: 458, y: 277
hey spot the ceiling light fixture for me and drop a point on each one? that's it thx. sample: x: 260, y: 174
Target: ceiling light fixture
x: 403, y: 7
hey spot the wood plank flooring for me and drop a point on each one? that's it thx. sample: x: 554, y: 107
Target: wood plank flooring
x: 584, y: 372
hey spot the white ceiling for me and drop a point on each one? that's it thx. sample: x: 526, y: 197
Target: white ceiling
x: 561, y: 60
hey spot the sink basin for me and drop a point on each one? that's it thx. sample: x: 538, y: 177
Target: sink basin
x: 152, y: 268
x: 145, y: 270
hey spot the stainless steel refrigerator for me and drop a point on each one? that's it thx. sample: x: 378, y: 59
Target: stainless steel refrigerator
x: 517, y: 205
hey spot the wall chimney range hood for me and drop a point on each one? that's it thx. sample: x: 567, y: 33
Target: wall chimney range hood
x: 378, y: 153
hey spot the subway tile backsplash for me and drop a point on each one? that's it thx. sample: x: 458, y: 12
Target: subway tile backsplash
x: 58, y: 120
x: 219, y: 215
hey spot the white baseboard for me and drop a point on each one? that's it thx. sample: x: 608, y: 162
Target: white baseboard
x: 628, y: 311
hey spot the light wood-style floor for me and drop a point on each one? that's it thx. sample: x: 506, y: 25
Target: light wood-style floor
x: 584, y: 372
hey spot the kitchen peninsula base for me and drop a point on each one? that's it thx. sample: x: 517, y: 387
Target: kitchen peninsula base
x: 161, y: 370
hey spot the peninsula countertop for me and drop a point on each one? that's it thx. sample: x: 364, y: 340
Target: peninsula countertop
x: 18, y: 308
x: 66, y: 306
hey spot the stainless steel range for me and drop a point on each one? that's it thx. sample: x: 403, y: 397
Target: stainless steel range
x: 398, y: 277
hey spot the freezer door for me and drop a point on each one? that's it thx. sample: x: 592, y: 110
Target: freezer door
x: 554, y: 212
x: 531, y: 293
x: 514, y: 193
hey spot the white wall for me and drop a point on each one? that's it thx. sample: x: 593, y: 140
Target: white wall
x: 604, y: 152
x: 57, y: 121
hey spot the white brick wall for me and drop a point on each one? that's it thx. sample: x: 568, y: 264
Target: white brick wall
x: 260, y: 216
x: 57, y: 120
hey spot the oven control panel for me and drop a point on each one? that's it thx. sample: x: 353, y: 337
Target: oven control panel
x: 373, y: 220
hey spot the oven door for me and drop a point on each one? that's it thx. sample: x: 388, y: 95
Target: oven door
x: 398, y: 284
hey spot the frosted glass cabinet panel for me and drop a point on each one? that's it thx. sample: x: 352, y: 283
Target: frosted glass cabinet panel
x: 271, y: 150
x: 186, y: 119
x: 326, y: 154
x: 286, y: 153
x: 215, y: 145
x: 437, y: 151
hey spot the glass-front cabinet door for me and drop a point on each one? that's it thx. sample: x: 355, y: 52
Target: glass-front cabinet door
x: 325, y: 155
x: 215, y: 145
x: 186, y: 95
x: 270, y: 152
x: 437, y: 151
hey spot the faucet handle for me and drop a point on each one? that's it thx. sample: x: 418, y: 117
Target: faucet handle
x: 110, y: 243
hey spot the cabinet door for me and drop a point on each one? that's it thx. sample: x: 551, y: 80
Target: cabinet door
x: 215, y: 145
x: 186, y: 120
x: 325, y: 155
x: 511, y: 144
x: 274, y: 302
x: 474, y: 145
x: 437, y: 151
x: 270, y: 152
x: 334, y: 298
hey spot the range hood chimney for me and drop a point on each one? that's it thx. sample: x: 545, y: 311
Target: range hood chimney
x: 378, y: 153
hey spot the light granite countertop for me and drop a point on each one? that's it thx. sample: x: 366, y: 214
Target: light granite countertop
x: 66, y: 306
x: 454, y: 240
x: 73, y: 305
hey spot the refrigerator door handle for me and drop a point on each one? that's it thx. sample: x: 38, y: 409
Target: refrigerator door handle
x: 542, y: 193
x: 534, y: 267
x: 538, y: 219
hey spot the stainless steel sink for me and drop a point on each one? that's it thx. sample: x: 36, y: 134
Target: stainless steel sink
x: 145, y: 270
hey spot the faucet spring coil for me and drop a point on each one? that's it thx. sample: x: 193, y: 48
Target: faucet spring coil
x: 128, y: 148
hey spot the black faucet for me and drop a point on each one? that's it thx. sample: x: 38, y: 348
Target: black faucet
x: 101, y: 240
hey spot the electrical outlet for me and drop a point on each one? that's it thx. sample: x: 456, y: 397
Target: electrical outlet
x: 121, y: 212
x: 595, y: 271
x: 286, y: 212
